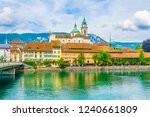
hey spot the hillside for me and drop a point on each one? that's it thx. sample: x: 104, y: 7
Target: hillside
x: 38, y: 37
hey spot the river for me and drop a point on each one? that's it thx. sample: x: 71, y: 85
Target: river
x: 83, y: 85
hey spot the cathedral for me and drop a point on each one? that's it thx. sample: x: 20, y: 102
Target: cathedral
x: 75, y: 36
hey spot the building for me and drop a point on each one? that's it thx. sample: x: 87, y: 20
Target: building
x: 71, y: 51
x: 15, y: 54
x: 16, y: 43
x: 42, y: 51
x: 75, y: 36
x: 15, y: 50
x: 103, y: 46
x: 5, y: 52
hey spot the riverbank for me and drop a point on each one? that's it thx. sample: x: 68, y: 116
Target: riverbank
x: 97, y: 68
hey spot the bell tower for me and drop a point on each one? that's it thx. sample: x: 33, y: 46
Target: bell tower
x: 84, y: 28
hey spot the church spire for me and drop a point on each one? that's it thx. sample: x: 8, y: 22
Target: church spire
x: 110, y: 40
x: 6, y: 40
x: 84, y: 22
x: 75, y: 26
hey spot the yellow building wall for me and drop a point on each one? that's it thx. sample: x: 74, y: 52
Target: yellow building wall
x: 15, y: 56
x: 32, y: 55
x: 55, y: 55
x: 70, y: 57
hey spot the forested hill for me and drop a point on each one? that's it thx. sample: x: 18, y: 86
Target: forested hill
x: 37, y: 37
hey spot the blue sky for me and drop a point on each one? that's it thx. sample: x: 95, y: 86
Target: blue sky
x: 126, y: 20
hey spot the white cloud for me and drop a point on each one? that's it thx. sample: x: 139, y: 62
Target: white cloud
x: 5, y: 15
x: 140, y: 20
x: 102, y: 17
x: 128, y: 25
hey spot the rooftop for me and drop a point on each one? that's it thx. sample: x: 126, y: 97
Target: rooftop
x: 38, y: 46
x: 77, y: 47
x: 16, y: 41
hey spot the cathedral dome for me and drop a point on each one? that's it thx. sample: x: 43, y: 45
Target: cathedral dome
x: 75, y: 30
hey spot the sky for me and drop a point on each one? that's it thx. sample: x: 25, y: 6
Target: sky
x: 125, y: 20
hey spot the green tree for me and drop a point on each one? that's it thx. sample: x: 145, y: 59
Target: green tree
x: 141, y: 58
x: 62, y: 64
x: 47, y: 63
x: 75, y: 61
x: 30, y: 62
x: 53, y: 62
x: 138, y: 47
x: 35, y: 66
x: 81, y: 59
x: 2, y: 59
x: 104, y: 58
x: 95, y: 58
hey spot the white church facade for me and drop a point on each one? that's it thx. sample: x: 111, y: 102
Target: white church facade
x: 75, y: 36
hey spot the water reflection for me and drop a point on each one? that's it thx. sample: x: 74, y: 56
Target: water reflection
x: 77, y: 85
x: 5, y: 83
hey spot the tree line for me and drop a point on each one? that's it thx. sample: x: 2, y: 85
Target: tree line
x: 102, y: 58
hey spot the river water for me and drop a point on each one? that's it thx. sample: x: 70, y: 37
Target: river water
x: 84, y: 85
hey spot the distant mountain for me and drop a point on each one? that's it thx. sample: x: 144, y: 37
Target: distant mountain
x: 94, y: 38
x: 25, y: 37
x: 125, y: 44
x: 38, y: 37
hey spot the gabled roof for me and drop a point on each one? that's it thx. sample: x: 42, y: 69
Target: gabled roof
x: 38, y: 46
x: 55, y: 43
x: 16, y: 41
x: 103, y: 44
x: 78, y: 47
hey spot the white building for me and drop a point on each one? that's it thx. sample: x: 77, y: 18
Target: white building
x: 5, y: 52
x: 74, y: 37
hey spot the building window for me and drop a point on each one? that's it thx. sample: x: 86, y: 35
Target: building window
x: 66, y: 54
x: 58, y: 52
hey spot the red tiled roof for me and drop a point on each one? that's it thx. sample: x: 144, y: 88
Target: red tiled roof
x: 38, y: 46
x: 14, y: 49
x: 16, y: 41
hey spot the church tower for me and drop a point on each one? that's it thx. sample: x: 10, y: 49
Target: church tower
x: 84, y: 28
